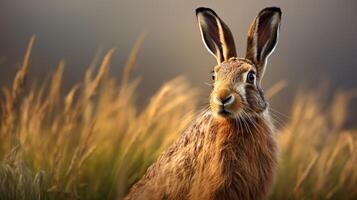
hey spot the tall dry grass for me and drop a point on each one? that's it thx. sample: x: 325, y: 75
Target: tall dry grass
x: 94, y: 143
x: 319, y: 157
x: 91, y: 143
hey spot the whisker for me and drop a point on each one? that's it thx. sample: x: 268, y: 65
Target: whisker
x: 281, y: 123
x: 246, y: 125
x: 281, y: 114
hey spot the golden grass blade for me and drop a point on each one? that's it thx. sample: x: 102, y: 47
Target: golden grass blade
x: 21, y: 74
x: 132, y: 59
x: 276, y: 88
x: 306, y: 172
x: 56, y: 82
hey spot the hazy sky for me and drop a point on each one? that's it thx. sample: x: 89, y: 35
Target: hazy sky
x: 317, y: 39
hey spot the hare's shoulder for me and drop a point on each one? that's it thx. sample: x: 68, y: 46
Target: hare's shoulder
x: 177, y: 163
x: 190, y: 140
x: 184, y: 150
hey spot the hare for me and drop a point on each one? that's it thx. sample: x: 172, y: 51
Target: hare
x: 230, y: 150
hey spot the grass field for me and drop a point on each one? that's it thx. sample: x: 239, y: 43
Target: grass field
x: 93, y: 142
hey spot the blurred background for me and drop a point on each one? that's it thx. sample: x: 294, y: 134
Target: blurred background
x: 317, y: 41
x: 61, y: 140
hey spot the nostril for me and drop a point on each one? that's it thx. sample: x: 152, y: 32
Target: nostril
x: 227, y: 99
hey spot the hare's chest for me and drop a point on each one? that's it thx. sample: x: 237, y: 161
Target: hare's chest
x: 247, y: 168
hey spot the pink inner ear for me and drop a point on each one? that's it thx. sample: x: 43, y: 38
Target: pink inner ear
x: 213, y: 30
x: 264, y: 33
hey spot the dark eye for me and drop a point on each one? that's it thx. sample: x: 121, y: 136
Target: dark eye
x: 213, y: 76
x: 251, y: 77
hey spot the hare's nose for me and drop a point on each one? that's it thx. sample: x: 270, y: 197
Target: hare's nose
x: 225, y: 100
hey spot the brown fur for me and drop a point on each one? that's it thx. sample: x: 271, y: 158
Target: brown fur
x: 214, y: 159
x: 230, y: 151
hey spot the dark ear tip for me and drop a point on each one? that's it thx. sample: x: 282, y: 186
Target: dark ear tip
x: 203, y: 10
x: 272, y: 10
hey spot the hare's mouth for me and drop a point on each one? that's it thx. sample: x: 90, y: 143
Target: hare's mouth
x: 224, y: 112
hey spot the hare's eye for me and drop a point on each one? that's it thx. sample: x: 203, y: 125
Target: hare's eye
x: 251, y: 77
x: 213, y: 76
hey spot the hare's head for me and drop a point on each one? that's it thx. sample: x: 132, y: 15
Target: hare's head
x: 236, y: 87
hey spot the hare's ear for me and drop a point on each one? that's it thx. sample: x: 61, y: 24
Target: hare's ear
x: 216, y: 35
x: 263, y: 37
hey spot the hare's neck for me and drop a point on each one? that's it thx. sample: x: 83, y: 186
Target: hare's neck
x: 242, y: 129
x: 239, y: 153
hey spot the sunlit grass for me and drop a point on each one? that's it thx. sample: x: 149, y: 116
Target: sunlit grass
x: 94, y: 142
x: 318, y: 157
